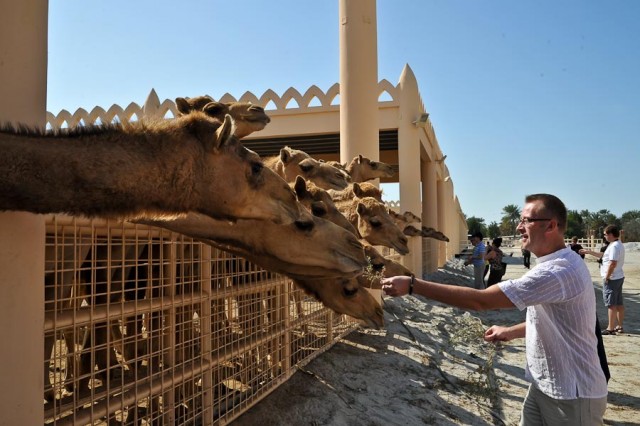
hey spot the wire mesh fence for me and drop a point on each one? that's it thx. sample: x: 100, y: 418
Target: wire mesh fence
x: 144, y: 326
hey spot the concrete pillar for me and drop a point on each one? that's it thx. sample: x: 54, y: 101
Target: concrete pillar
x: 358, y: 80
x: 23, y: 90
x: 450, y: 213
x: 442, y: 226
x: 430, y: 211
x: 409, y: 161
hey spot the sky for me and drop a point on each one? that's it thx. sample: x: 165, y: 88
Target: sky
x: 525, y: 96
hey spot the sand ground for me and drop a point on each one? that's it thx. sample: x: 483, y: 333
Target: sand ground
x: 430, y: 366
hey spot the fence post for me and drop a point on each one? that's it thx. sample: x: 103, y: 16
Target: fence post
x: 23, y: 91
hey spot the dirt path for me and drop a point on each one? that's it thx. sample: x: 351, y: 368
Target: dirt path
x: 431, y: 366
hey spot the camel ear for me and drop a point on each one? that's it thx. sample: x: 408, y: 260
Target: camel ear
x: 300, y: 186
x: 224, y: 134
x: 357, y: 191
x: 183, y: 106
x: 285, y: 155
x: 359, y: 158
x: 362, y: 209
x: 215, y: 109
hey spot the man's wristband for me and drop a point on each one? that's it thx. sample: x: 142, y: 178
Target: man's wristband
x: 413, y: 280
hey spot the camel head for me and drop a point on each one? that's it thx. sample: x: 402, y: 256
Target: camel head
x: 411, y: 231
x: 293, y: 163
x: 435, y: 234
x: 381, y: 265
x: 319, y: 203
x: 236, y: 175
x: 345, y: 296
x: 310, y: 247
x: 376, y: 226
x: 363, y: 169
x: 249, y: 118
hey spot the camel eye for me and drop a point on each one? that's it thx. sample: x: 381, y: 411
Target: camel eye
x: 374, y: 165
x: 256, y: 108
x: 375, y: 222
x: 256, y: 168
x: 318, y: 209
x: 349, y: 292
x: 306, y: 167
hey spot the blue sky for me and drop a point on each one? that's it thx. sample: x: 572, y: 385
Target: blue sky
x: 525, y: 96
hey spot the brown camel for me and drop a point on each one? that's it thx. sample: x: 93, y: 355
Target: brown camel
x: 249, y: 118
x: 403, y: 221
x: 307, y: 248
x: 319, y: 203
x: 362, y: 169
x: 360, y: 190
x: 320, y: 256
x: 345, y: 296
x: 373, y: 223
x: 152, y: 169
x: 293, y: 162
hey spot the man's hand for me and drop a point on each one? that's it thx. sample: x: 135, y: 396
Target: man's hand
x: 496, y: 333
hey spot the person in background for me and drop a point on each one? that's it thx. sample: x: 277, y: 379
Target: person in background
x: 526, y: 258
x: 612, y: 278
x: 568, y: 386
x: 494, y: 257
x: 575, y: 246
x: 476, y: 258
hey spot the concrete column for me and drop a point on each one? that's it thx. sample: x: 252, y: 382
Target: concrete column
x: 358, y: 80
x: 450, y: 213
x: 23, y: 90
x: 442, y: 225
x: 430, y: 210
x: 409, y: 161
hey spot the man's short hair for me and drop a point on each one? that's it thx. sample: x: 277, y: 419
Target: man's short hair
x: 552, y: 207
x: 477, y: 235
x: 613, y: 230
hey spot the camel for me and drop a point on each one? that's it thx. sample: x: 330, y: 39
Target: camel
x: 307, y: 248
x: 291, y: 163
x: 362, y: 169
x: 357, y: 189
x: 345, y: 296
x: 373, y: 223
x: 319, y: 256
x: 403, y: 222
x: 249, y: 118
x: 319, y: 203
x: 153, y: 169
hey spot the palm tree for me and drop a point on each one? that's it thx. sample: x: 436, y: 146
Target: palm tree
x: 511, y: 214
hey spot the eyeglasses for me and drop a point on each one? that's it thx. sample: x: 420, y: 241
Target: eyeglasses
x: 528, y: 220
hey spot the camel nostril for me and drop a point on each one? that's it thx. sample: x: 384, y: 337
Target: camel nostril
x: 304, y: 224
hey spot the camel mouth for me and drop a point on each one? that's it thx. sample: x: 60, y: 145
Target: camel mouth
x: 338, y: 184
x: 401, y: 248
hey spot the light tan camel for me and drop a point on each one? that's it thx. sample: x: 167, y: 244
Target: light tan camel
x: 160, y: 168
x: 362, y: 169
x: 404, y: 220
x: 360, y: 190
x: 319, y: 203
x: 373, y: 223
x: 345, y: 296
x: 307, y: 248
x: 291, y: 163
x: 249, y: 118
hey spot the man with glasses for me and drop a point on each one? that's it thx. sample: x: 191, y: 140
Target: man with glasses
x: 568, y: 386
x: 612, y: 278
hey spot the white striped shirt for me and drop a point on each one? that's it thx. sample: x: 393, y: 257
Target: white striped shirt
x: 562, y: 357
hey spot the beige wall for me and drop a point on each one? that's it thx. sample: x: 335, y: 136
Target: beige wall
x: 23, y: 79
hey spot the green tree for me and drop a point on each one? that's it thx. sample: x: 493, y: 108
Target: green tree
x: 493, y: 230
x: 630, y: 222
x: 475, y: 224
x: 575, y: 226
x: 511, y: 215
